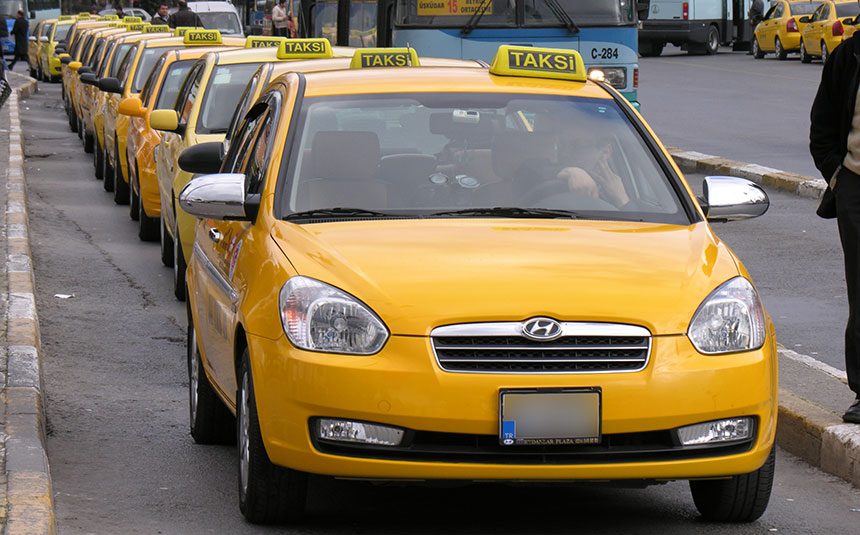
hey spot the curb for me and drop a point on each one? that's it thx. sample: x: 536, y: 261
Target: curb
x: 801, y: 185
x: 29, y: 492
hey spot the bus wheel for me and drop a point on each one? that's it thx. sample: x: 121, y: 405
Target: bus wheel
x: 804, y: 57
x: 781, y: 53
x: 758, y: 53
x: 712, y: 45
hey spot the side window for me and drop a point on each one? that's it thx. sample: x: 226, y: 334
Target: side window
x: 825, y: 12
x: 189, y: 93
x: 234, y: 161
x: 770, y: 13
x: 122, y: 74
x: 817, y: 15
x: 147, y: 86
x: 362, y: 23
x: 258, y: 157
x: 779, y: 10
x: 244, y: 104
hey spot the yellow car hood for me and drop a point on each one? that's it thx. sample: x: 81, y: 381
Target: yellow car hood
x: 419, y: 274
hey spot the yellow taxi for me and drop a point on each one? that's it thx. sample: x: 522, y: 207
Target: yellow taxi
x: 159, y: 91
x: 779, y: 31
x: 202, y: 114
x: 472, y: 274
x: 78, y: 57
x: 129, y: 81
x: 825, y: 28
x: 34, y: 44
x: 44, y: 65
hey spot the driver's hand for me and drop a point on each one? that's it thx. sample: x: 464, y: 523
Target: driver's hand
x: 579, y: 181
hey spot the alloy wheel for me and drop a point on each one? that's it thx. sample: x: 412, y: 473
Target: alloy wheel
x: 194, y: 374
x: 244, y: 441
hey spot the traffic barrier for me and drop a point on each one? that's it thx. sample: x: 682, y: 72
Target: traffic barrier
x: 30, y: 501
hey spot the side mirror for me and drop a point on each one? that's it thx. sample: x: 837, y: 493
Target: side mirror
x: 89, y: 78
x: 44, y: 39
x: 849, y: 21
x: 60, y: 49
x: 804, y: 19
x: 131, y: 106
x: 729, y: 198
x: 203, y: 158
x: 219, y: 196
x: 65, y: 59
x: 164, y: 120
x: 75, y: 65
x: 85, y: 69
x: 110, y: 85
x: 32, y: 38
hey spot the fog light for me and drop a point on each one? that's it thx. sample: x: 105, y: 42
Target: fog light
x: 360, y: 432
x: 727, y: 430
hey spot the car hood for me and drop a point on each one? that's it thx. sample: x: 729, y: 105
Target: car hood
x: 420, y: 274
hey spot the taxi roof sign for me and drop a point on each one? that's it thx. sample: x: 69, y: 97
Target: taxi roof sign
x: 179, y: 31
x: 531, y: 62
x: 305, y: 49
x: 201, y: 37
x: 135, y: 26
x: 132, y: 19
x: 366, y: 58
x: 64, y: 17
x: 82, y: 16
x: 155, y: 28
x: 109, y: 17
x: 263, y: 41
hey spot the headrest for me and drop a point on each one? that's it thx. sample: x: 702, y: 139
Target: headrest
x: 345, y: 155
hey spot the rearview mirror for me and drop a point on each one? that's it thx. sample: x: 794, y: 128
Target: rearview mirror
x: 728, y: 198
x: 164, y: 120
x: 89, y: 79
x: 131, y: 106
x: 804, y: 19
x: 203, y: 158
x: 110, y: 85
x: 220, y: 196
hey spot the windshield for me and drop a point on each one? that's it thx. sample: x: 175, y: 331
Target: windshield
x: 10, y: 7
x: 118, y: 57
x: 444, y: 13
x: 125, y: 66
x: 62, y: 32
x: 224, y: 21
x: 421, y: 154
x: 222, y: 96
x: 172, y: 83
x: 847, y: 10
x: 147, y: 62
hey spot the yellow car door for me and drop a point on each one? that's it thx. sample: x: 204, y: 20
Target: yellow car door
x: 815, y: 30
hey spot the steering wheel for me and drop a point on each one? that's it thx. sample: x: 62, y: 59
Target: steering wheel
x: 544, y: 190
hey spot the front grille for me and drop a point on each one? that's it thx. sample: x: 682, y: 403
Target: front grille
x: 459, y: 351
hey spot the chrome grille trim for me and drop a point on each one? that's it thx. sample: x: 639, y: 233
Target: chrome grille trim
x: 507, y: 337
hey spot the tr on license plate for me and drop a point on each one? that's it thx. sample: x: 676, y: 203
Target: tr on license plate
x: 539, y: 417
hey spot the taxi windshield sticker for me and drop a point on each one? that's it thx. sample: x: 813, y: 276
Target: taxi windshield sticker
x: 555, y: 63
x: 304, y: 49
x: 451, y: 8
x: 202, y: 37
x: 155, y: 28
x: 132, y: 19
x: 365, y: 58
x: 261, y: 41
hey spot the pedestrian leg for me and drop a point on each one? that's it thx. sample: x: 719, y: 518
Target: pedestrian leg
x: 848, y: 219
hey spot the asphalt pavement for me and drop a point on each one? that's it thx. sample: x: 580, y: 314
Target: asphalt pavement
x: 122, y: 459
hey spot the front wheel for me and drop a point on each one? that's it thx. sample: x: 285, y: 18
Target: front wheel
x: 712, y: 45
x: 100, y: 162
x: 781, y: 52
x: 268, y: 493
x: 742, y: 498
x: 120, y: 186
x: 166, y: 245
x: 824, y: 53
x: 757, y: 52
x: 804, y: 56
x: 179, y: 265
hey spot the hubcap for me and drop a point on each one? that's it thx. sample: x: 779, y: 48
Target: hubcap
x: 244, y: 453
x: 194, y: 375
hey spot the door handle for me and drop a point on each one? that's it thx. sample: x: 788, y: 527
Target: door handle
x: 214, y: 235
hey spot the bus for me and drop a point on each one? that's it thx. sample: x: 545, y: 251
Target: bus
x: 604, y: 32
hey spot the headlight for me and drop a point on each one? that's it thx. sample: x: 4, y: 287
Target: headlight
x: 614, y: 76
x: 319, y: 317
x: 730, y: 319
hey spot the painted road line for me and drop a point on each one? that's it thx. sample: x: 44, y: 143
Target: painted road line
x: 813, y: 363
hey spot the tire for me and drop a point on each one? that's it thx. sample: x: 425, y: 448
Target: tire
x: 100, y: 162
x: 179, y: 265
x: 120, y: 186
x: 824, y: 53
x: 741, y: 498
x: 166, y: 246
x: 651, y: 49
x: 89, y: 142
x: 268, y: 494
x: 73, y: 120
x: 133, y: 199
x: 781, y: 53
x: 32, y: 72
x: 712, y: 44
x: 80, y: 127
x: 210, y: 420
x: 107, y: 174
x: 804, y: 57
x: 757, y: 52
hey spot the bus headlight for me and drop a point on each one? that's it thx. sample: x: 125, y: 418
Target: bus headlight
x: 614, y: 76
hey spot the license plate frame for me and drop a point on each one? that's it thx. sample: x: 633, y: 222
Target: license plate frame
x: 530, y: 399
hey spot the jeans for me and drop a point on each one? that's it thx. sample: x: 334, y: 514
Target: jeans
x: 847, y: 194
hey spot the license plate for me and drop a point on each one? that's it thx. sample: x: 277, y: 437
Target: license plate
x: 549, y: 417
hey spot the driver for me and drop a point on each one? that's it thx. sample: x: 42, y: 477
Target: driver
x: 591, y: 173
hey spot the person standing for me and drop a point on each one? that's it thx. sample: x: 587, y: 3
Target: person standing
x: 21, y: 31
x: 279, y: 19
x: 834, y: 142
x: 755, y: 14
x: 184, y: 17
x: 161, y: 15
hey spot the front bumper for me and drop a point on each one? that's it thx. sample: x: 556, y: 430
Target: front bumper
x: 403, y: 386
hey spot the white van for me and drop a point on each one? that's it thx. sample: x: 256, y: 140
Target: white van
x: 697, y: 26
x: 221, y: 16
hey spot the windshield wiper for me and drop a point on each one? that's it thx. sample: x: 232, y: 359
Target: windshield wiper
x: 337, y: 212
x: 562, y: 16
x: 510, y: 211
x: 476, y: 17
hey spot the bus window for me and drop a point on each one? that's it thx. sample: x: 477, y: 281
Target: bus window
x: 325, y: 20
x: 585, y: 12
x: 362, y: 23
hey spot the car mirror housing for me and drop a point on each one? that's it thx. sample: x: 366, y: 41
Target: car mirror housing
x: 219, y: 196
x: 728, y: 198
x: 66, y: 60
x: 110, y: 85
x: 75, y: 65
x: 164, y: 120
x: 804, y: 19
x: 203, y: 158
x: 84, y: 70
x: 43, y: 39
x: 131, y: 106
x: 89, y: 79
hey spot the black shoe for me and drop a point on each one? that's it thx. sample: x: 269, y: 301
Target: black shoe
x: 852, y: 415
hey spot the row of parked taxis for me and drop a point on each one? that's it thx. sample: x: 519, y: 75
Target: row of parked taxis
x: 406, y: 268
x: 812, y: 29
